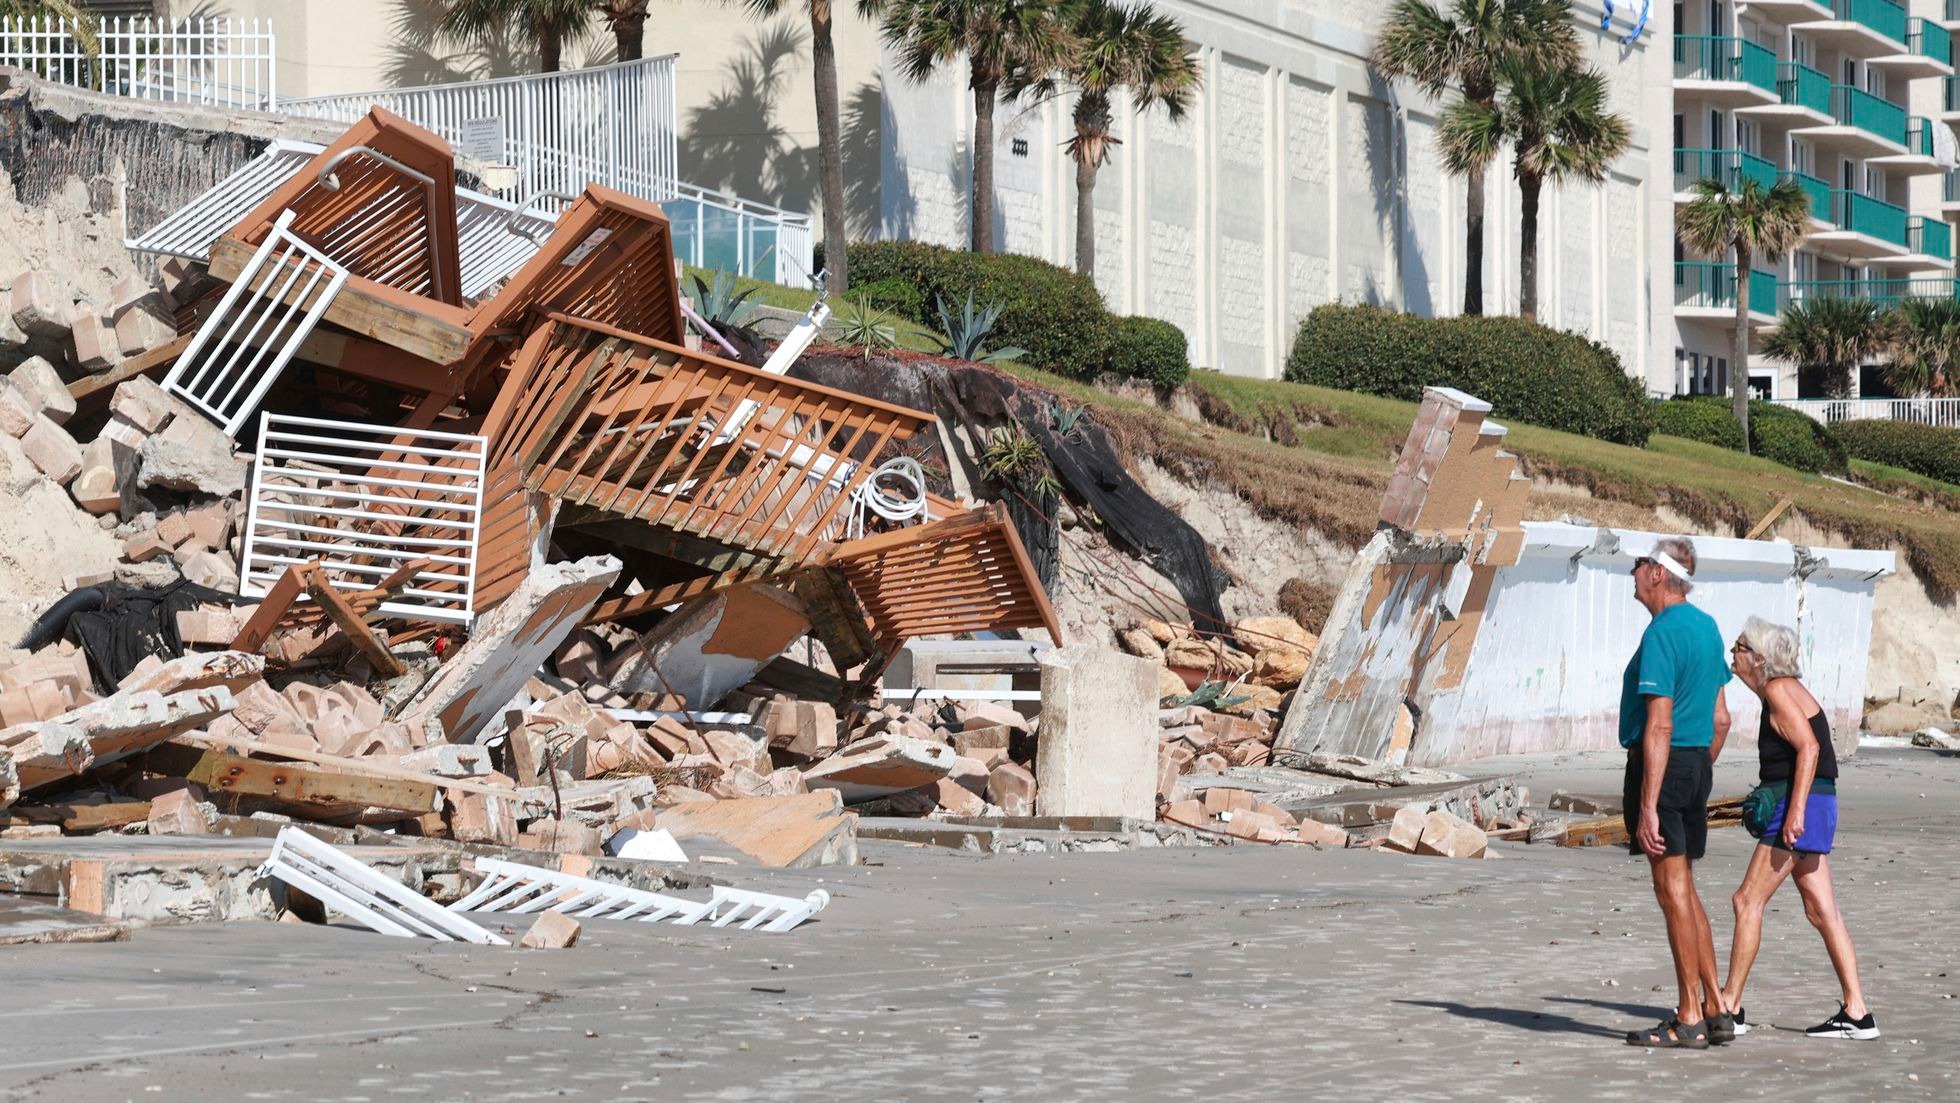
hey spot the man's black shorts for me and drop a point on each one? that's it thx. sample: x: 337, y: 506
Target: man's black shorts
x: 1683, y: 807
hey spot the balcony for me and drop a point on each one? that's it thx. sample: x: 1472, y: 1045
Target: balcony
x: 1944, y: 412
x: 1929, y: 243
x: 1707, y: 289
x: 1928, y: 52
x: 1950, y: 193
x: 1803, y: 98
x: 1888, y: 292
x: 1865, y: 228
x: 1950, y: 100
x: 1730, y: 166
x: 1861, y: 28
x: 1819, y: 193
x: 1917, y: 160
x: 1861, y: 125
x: 1725, y: 70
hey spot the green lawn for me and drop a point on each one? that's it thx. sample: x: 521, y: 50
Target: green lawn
x: 911, y: 335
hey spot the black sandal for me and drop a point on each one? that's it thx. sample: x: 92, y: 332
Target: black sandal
x: 1670, y: 1034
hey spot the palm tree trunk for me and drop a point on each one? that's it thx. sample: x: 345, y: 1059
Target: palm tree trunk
x: 629, y: 37
x: 1739, y: 355
x: 986, y: 91
x: 551, y: 45
x: 1085, y: 217
x: 830, y: 147
x: 1528, y: 187
x: 1473, y: 241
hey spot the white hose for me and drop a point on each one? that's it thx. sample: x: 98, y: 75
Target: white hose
x: 897, y: 508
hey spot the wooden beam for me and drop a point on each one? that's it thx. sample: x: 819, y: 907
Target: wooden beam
x: 271, y: 610
x: 366, y: 640
x: 293, y: 782
x: 415, y: 325
x: 1612, y: 830
x: 142, y: 363
x: 359, y: 767
x: 79, y: 818
x: 1769, y: 519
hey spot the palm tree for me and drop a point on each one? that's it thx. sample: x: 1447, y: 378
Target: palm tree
x: 996, y: 37
x: 82, y: 25
x: 550, y: 23
x: 1925, y: 347
x: 1461, y: 47
x: 1559, y: 127
x: 1134, y: 49
x: 627, y: 20
x: 830, y: 139
x: 1827, y: 338
x: 1749, y: 221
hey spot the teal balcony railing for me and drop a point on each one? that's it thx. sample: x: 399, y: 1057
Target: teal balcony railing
x: 1802, y: 86
x: 1729, y: 166
x: 1854, y: 106
x: 1884, y: 291
x: 1883, y: 16
x: 1818, y: 191
x: 1928, y: 39
x: 1929, y: 237
x: 1860, y: 213
x: 1711, y: 284
x: 1726, y: 58
x: 1919, y: 136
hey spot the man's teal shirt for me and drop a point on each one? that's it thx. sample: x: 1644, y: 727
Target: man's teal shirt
x: 1680, y: 656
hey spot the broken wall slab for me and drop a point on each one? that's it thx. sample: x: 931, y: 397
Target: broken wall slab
x: 1097, y: 754
x: 712, y: 645
x: 793, y: 832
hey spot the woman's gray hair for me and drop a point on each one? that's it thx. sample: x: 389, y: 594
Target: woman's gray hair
x: 1776, y: 645
x: 1682, y: 552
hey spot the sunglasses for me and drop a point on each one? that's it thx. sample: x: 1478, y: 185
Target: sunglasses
x: 1643, y: 561
x: 1741, y: 648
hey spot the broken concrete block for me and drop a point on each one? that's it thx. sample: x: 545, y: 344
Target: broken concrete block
x: 207, y: 626
x: 466, y: 698
x: 816, y: 729
x: 1013, y: 788
x: 481, y: 818
x: 213, y: 569
x: 43, y: 387
x: 1098, y: 752
x: 268, y: 716
x: 552, y: 931
x: 1321, y: 834
x: 108, y: 468
x: 233, y: 670
x: 1405, y: 831
x: 1252, y: 826
x: 210, y: 525
x: 96, y: 347
x: 710, y: 646
x: 881, y: 767
x: 17, y: 409
x: 52, y: 450
x: 449, y: 760
x: 143, y: 404
x: 981, y: 714
x: 122, y: 725
x: 792, y: 832
x: 561, y: 837
x: 139, y: 330
x: 987, y: 743
x: 174, y: 466
x: 173, y: 528
x: 1447, y: 836
x: 734, y: 749
x: 1220, y: 799
x: 142, y: 549
x: 39, y: 308
x: 957, y: 799
x: 39, y: 701
x: 178, y: 813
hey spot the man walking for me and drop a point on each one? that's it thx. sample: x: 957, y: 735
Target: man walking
x: 1672, y: 723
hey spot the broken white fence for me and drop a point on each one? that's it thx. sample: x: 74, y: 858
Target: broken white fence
x: 519, y: 889
x: 212, y: 60
x: 366, y: 500
x: 356, y: 891
x: 264, y: 317
x: 493, y: 236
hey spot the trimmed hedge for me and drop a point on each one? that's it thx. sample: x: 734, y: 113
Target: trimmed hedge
x: 1699, y: 419
x: 1525, y: 371
x: 891, y: 296
x: 1776, y: 433
x: 1057, y: 315
x: 1150, y: 349
x: 1927, y: 450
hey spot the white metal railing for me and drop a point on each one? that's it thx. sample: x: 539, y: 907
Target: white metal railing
x: 1920, y: 411
x: 212, y: 60
x: 613, y: 125
x: 365, y: 500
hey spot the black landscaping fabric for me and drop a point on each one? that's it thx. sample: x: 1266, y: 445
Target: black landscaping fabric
x: 132, y: 623
x: 978, y: 399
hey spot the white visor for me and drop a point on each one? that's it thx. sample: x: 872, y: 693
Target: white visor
x: 1670, y: 566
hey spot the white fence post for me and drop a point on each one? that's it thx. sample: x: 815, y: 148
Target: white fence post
x: 216, y: 61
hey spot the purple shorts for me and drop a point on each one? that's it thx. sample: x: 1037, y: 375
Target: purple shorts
x: 1819, y: 825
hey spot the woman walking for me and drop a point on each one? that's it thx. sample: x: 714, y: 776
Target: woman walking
x: 1794, y: 815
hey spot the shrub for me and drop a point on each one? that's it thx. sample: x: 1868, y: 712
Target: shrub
x: 1056, y: 315
x: 1524, y: 370
x: 1776, y: 433
x: 1699, y: 419
x: 1150, y: 349
x: 1925, y: 450
x: 895, y: 297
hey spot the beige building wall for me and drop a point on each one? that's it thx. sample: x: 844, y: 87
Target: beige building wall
x: 745, y: 92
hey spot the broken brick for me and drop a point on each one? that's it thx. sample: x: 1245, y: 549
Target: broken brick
x: 1012, y: 787
x: 552, y: 931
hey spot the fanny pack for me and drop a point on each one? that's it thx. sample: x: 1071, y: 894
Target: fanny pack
x: 1759, y: 807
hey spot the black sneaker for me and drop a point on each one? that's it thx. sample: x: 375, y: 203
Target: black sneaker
x: 1741, y: 1027
x: 1721, y: 1029
x: 1842, y: 1025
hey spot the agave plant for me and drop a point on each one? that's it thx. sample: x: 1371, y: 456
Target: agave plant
x: 966, y: 332
x: 1068, y: 419
x: 860, y: 327
x: 1014, y: 456
x: 719, y: 304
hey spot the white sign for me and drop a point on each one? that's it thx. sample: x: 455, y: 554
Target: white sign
x: 584, y: 249
x: 483, y: 140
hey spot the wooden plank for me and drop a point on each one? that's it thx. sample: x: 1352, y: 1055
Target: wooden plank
x: 302, y: 784
x: 78, y: 818
x: 422, y: 327
x: 142, y: 363
x: 1612, y: 830
x: 272, y: 608
x: 348, y: 620
x: 1769, y: 519
x: 358, y: 767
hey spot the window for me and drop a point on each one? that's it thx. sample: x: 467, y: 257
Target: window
x: 1718, y: 132
x: 1802, y: 51
x: 1803, y: 156
x: 1680, y: 370
x: 1020, y: 147
x: 1876, y: 183
x: 1748, y: 137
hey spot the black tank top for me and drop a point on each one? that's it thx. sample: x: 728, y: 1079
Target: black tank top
x: 1779, y: 759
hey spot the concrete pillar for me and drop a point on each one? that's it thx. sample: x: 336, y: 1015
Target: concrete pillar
x: 1098, y: 747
